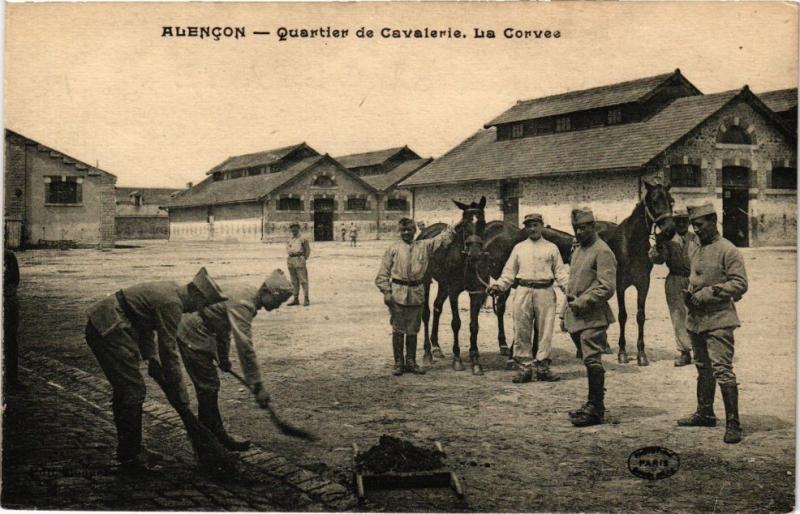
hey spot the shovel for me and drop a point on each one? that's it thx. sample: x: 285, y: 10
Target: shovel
x: 283, y: 426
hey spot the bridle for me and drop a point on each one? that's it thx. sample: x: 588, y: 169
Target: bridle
x: 652, y: 221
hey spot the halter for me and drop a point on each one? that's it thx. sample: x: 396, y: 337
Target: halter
x: 652, y: 221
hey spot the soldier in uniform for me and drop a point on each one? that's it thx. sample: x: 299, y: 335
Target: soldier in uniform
x: 717, y: 280
x: 400, y: 279
x: 534, y: 265
x: 676, y: 253
x: 204, y: 339
x: 120, y: 332
x: 299, y: 251
x: 592, y: 282
x: 353, y: 234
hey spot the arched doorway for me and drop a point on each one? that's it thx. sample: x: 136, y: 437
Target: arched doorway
x: 323, y: 219
x: 735, y: 205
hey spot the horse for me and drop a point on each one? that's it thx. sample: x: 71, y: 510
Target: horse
x: 500, y: 239
x: 456, y: 268
x: 630, y: 242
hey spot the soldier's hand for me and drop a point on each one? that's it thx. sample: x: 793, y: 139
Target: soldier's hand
x: 577, y: 306
x: 225, y: 365
x: 494, y: 290
x: 262, y: 396
x: 652, y: 252
x: 387, y: 299
x: 703, y: 296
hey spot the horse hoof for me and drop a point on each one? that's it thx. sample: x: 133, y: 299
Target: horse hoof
x: 503, y: 349
x: 458, y: 365
x: 477, y: 370
x: 641, y: 360
x: 622, y: 357
x: 427, y: 359
x: 437, y: 352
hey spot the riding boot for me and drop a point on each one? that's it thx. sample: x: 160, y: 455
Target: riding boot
x: 594, y: 411
x: 134, y: 459
x: 411, y: 355
x: 704, y: 415
x: 208, y: 413
x: 397, y: 349
x: 684, y: 359
x: 730, y: 396
x: 543, y: 373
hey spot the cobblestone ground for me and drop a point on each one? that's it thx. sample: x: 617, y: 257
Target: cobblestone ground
x: 58, y: 453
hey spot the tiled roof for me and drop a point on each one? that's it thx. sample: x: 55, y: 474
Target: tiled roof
x: 628, y: 146
x: 244, y: 189
x: 384, y: 181
x: 780, y: 100
x: 356, y: 160
x: 151, y: 195
x: 603, y: 96
x: 254, y: 159
x: 66, y: 159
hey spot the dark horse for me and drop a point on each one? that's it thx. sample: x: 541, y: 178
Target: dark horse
x: 456, y: 270
x: 630, y: 242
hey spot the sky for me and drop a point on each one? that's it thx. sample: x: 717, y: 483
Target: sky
x: 99, y: 82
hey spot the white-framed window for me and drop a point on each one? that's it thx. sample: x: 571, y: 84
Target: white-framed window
x: 685, y: 175
x: 563, y: 124
x: 517, y: 130
x: 290, y: 204
x: 397, y: 204
x: 614, y: 116
x: 784, y: 178
x: 63, y: 190
x: 356, y: 204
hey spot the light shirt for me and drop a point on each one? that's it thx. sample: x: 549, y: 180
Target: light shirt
x: 298, y: 250
x: 537, y: 260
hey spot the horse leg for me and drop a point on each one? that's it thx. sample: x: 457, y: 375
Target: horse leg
x: 475, y: 303
x: 427, y: 358
x: 438, y: 303
x: 641, y: 298
x: 456, y: 325
x: 501, y: 327
x: 622, y: 356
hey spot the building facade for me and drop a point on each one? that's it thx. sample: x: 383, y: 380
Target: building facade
x: 255, y: 197
x: 54, y: 199
x: 596, y: 147
x: 138, y: 213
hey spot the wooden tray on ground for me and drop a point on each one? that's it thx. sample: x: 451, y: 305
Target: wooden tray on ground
x: 440, y: 477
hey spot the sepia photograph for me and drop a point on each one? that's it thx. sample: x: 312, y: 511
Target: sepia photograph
x: 400, y: 257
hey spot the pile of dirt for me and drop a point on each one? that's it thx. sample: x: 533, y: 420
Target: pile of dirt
x: 392, y: 455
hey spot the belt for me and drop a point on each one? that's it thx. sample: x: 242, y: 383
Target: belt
x: 410, y: 283
x: 535, y: 284
x: 297, y: 254
x: 126, y: 308
x: 678, y: 274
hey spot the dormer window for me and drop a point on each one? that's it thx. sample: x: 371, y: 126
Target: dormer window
x: 517, y: 130
x: 735, y: 135
x: 614, y: 116
x: 563, y: 124
x: 324, y: 181
x: 137, y: 200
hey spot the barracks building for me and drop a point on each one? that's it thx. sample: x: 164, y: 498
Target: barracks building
x: 255, y: 197
x: 595, y: 147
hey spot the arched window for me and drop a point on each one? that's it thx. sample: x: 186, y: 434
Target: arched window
x: 324, y: 181
x: 735, y: 135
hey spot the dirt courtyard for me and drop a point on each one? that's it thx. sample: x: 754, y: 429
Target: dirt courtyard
x: 327, y: 367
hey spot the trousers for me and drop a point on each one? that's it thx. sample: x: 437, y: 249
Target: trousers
x: 674, y: 287
x: 534, y: 317
x: 714, y: 349
x: 299, y: 277
x: 200, y: 368
x: 593, y: 343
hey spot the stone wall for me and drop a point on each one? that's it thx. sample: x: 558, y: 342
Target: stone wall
x: 434, y: 204
x: 141, y: 227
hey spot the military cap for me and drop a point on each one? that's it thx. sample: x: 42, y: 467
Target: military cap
x: 680, y: 212
x: 582, y: 215
x: 294, y: 224
x: 277, y: 283
x: 699, y: 211
x: 207, y: 287
x: 534, y: 216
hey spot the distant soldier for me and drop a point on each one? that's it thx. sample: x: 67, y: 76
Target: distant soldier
x: 353, y: 234
x: 717, y: 280
x: 400, y: 280
x: 120, y: 331
x: 299, y: 251
x: 344, y: 232
x: 676, y: 254
x: 204, y: 340
x: 534, y: 265
x: 592, y: 282
x: 10, y: 320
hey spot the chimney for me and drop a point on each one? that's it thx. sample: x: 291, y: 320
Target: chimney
x: 188, y: 185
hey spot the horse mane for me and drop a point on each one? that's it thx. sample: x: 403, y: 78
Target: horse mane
x: 431, y: 231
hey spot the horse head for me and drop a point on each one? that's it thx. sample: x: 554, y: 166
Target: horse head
x: 472, y: 227
x: 658, y: 208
